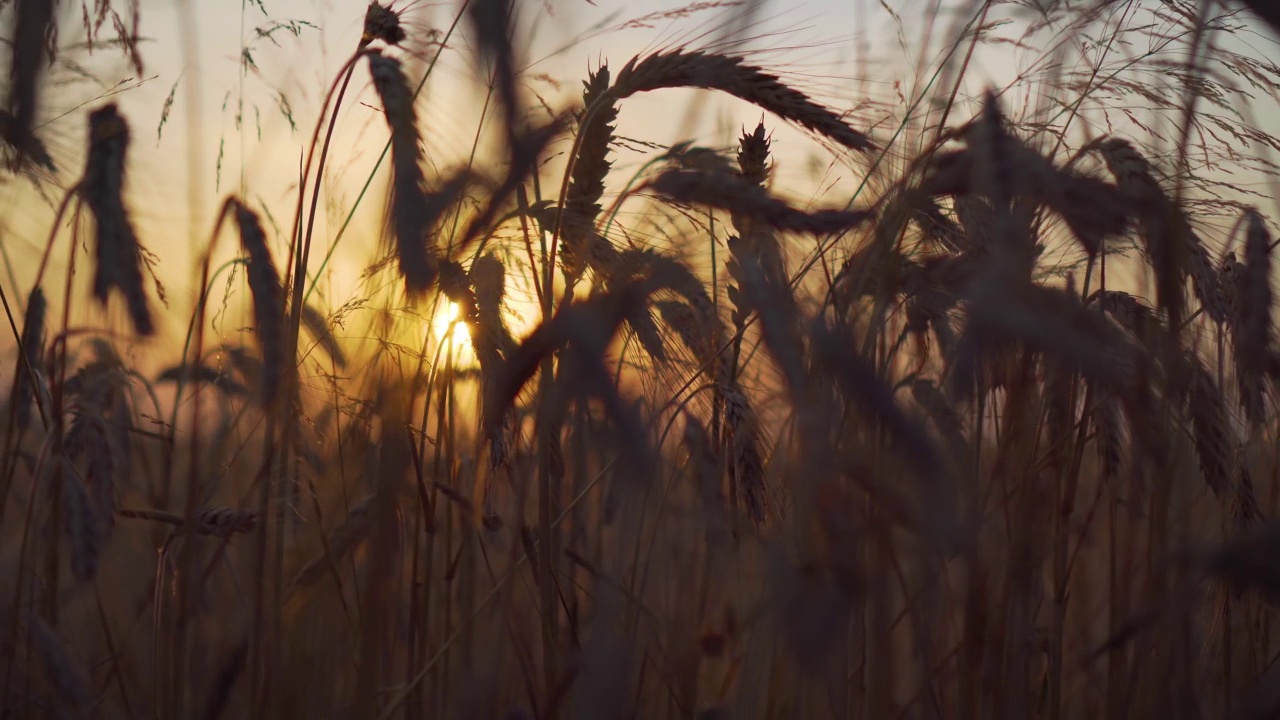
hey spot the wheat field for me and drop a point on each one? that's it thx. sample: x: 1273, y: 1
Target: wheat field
x: 980, y: 424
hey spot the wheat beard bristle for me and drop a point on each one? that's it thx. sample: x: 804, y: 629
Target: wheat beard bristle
x: 119, y: 258
x: 410, y: 218
x: 268, y: 299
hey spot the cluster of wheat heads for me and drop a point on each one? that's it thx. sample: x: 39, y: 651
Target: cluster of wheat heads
x: 917, y: 473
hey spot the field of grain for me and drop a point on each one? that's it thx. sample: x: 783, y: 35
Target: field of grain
x: 982, y: 422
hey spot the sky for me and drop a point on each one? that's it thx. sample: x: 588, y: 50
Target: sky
x: 200, y: 154
x: 843, y: 52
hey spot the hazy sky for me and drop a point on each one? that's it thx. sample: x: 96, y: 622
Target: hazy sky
x: 812, y: 41
x: 844, y: 52
x: 809, y: 38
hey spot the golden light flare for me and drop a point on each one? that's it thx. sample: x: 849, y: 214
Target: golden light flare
x: 447, y: 327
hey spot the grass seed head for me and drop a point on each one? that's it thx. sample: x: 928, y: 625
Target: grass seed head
x: 729, y: 74
x: 409, y: 208
x: 34, y: 24
x: 381, y: 23
x: 119, y: 256
x: 268, y: 300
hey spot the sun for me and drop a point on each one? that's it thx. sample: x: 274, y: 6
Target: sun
x: 447, y: 325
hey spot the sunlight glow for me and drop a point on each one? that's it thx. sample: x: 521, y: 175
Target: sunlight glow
x: 447, y: 325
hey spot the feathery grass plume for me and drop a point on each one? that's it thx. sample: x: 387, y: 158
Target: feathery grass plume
x: 340, y: 542
x: 33, y: 349
x: 1172, y: 247
x: 381, y: 23
x: 736, y: 195
x: 68, y: 677
x: 33, y: 27
x: 1210, y: 431
x: 119, y: 257
x: 268, y: 300
x: 711, y: 71
x: 409, y: 208
x: 590, y: 168
x: 318, y: 326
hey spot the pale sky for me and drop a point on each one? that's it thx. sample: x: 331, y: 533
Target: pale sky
x: 843, y: 52
x: 809, y: 40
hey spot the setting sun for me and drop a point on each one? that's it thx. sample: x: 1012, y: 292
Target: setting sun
x: 447, y: 325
